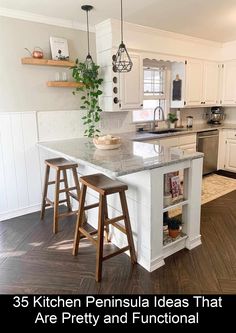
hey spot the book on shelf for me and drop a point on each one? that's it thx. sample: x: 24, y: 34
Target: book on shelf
x: 172, y: 185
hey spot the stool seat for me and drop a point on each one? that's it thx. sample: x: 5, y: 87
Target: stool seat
x: 103, y: 184
x: 60, y: 163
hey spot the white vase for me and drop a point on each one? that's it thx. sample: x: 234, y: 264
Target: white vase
x: 172, y: 125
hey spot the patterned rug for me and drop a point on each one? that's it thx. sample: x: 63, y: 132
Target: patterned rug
x: 213, y: 187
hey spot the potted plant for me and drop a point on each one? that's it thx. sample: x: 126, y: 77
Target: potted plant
x: 172, y: 119
x: 90, y: 88
x: 174, y: 227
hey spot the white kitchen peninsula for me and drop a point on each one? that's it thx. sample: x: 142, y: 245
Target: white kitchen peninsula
x: 142, y: 167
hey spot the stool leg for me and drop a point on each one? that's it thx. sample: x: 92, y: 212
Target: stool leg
x: 67, y: 194
x: 45, y: 191
x: 106, y: 217
x: 56, y: 202
x: 128, y: 226
x: 99, y: 254
x: 76, y: 180
x: 79, y: 221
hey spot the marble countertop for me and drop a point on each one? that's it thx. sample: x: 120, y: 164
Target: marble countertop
x: 131, y: 157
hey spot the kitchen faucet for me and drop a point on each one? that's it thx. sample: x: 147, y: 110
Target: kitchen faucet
x: 161, y: 113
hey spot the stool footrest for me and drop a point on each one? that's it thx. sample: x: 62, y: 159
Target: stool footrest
x: 123, y: 249
x: 68, y: 214
x: 51, y: 203
x: 53, y: 182
x: 74, y: 196
x: 88, y: 235
x: 91, y: 206
x: 67, y: 189
x: 114, y: 220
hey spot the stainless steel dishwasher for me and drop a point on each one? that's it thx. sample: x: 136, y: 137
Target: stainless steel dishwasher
x: 207, y: 143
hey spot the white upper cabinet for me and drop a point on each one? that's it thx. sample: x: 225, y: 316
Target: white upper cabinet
x: 202, y: 83
x: 194, y: 82
x: 211, y: 74
x: 131, y: 85
x: 229, y: 86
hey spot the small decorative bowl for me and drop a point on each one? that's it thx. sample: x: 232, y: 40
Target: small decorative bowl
x: 107, y: 142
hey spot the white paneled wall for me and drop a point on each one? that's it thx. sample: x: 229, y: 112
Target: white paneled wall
x: 20, y: 174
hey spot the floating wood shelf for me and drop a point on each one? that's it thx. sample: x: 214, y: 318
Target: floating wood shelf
x: 68, y: 84
x: 47, y: 62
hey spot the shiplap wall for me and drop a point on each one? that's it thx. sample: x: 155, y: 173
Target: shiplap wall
x: 20, y: 172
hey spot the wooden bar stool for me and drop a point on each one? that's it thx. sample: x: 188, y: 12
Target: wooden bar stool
x: 104, y: 186
x: 61, y: 165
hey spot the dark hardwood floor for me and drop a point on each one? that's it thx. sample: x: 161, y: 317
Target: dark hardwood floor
x: 33, y: 260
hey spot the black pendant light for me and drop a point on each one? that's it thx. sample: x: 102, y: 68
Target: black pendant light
x: 121, y: 61
x: 89, y: 60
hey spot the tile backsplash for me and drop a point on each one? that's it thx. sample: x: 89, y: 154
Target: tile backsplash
x: 198, y: 114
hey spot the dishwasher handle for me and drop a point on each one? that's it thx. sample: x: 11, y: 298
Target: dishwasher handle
x: 207, y: 136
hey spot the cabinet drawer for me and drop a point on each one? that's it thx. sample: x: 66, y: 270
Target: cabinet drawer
x: 187, y: 139
x: 190, y: 148
x: 169, y: 142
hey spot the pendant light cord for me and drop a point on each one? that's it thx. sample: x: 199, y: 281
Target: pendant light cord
x: 121, y: 18
x: 88, y: 34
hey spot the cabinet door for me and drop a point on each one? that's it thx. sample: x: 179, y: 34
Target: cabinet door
x: 132, y: 85
x: 194, y: 82
x: 229, y: 86
x: 230, y: 161
x: 211, y: 83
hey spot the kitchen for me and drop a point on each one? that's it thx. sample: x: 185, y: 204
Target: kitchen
x: 39, y: 122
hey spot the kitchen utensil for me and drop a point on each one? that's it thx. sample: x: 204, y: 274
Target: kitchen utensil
x: 216, y: 115
x: 189, y: 122
x: 36, y: 53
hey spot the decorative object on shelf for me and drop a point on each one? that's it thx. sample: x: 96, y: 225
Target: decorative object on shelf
x: 37, y: 52
x: 59, y: 48
x: 107, y: 142
x: 121, y: 61
x: 174, y: 226
x: 89, y: 60
x: 177, y: 87
x: 172, y: 119
x: 87, y: 74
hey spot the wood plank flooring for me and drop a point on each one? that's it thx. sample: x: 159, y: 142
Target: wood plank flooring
x: 33, y: 260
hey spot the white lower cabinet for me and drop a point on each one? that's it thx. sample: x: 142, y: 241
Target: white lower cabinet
x: 185, y: 142
x: 230, y: 155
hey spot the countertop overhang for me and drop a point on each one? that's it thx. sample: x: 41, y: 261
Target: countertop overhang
x: 131, y: 157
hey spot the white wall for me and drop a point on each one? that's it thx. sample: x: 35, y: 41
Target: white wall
x: 23, y: 87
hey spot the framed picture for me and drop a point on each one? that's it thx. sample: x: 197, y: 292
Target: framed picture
x: 59, y: 48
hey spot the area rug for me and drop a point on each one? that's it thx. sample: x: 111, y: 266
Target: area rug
x: 213, y: 187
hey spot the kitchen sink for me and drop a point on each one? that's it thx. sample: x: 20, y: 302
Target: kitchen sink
x: 169, y: 130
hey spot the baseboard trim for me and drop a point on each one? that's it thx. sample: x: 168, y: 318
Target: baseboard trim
x: 19, y: 212
x: 194, y: 242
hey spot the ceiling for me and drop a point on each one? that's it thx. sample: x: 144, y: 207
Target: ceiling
x: 209, y: 19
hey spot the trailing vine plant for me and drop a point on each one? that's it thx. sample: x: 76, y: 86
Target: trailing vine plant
x: 90, y: 84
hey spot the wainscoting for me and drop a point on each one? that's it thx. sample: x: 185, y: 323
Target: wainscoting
x: 20, y: 174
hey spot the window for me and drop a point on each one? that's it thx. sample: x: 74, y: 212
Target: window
x: 147, y: 113
x: 155, y: 92
x: 154, y: 82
